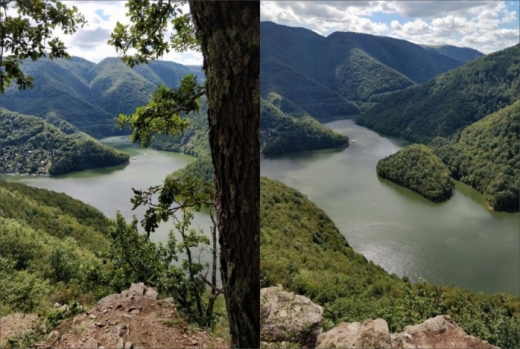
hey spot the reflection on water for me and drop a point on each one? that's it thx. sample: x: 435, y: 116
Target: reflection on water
x: 458, y: 242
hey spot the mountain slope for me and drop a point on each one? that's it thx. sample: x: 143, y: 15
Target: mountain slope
x: 282, y: 133
x: 353, y: 66
x: 451, y: 101
x: 47, y: 240
x: 29, y: 145
x: 486, y: 156
x: 462, y: 54
x: 90, y: 96
x: 310, y: 95
x: 304, y: 251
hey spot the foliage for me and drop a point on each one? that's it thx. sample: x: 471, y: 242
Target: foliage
x: 53, y: 214
x: 448, y: 103
x: 193, y: 140
x: 162, y: 113
x: 417, y: 168
x: 30, y: 35
x: 146, y: 34
x: 135, y: 258
x: 282, y: 133
x: 29, y: 145
x: 304, y: 251
x: 485, y: 155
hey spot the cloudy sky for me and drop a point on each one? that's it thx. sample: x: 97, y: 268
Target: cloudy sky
x: 487, y: 26
x: 90, y: 42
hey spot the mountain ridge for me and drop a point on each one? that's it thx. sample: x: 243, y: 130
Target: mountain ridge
x: 90, y: 96
x: 301, y: 65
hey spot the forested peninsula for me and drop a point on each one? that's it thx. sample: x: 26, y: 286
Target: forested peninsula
x: 417, y: 168
x: 31, y: 146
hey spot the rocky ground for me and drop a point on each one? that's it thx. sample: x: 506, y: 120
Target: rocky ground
x: 129, y: 320
x: 293, y: 321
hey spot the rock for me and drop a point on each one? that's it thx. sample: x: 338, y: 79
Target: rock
x: 57, y: 305
x: 134, y: 310
x: 91, y: 343
x: 342, y: 336
x: 105, y: 311
x: 120, y: 344
x: 100, y: 324
x: 53, y: 336
x: 136, y: 291
x: 92, y: 316
x: 370, y: 334
x: 140, y: 290
x: 438, y: 332
x: 122, y: 330
x: 373, y: 334
x: 128, y: 345
x: 287, y: 317
x: 434, y: 333
x: 64, y: 307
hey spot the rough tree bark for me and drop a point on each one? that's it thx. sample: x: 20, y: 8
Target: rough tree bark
x: 229, y: 33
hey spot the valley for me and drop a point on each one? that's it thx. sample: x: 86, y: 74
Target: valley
x: 389, y: 183
x: 459, y: 242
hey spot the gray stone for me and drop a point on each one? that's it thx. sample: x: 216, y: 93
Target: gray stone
x: 287, y: 317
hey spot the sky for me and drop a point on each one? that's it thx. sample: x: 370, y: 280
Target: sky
x: 90, y: 42
x: 487, y: 26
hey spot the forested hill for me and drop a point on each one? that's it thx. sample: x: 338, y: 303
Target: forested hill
x: 293, y: 131
x: 324, y: 75
x: 48, y: 241
x: 486, y: 155
x: 29, y: 145
x: 463, y: 54
x: 90, y: 96
x: 417, y: 168
x: 451, y: 101
x: 304, y: 251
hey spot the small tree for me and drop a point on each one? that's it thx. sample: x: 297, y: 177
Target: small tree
x: 135, y: 258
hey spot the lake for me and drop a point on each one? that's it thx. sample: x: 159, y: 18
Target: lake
x: 110, y: 189
x: 459, y: 242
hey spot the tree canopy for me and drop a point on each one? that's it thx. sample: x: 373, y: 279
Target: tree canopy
x: 29, y: 34
x: 486, y: 156
x: 416, y: 167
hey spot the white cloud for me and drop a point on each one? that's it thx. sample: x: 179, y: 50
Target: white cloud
x: 90, y: 42
x: 509, y: 17
x: 475, y: 24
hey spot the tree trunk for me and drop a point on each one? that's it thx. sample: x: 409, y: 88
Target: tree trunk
x: 229, y: 33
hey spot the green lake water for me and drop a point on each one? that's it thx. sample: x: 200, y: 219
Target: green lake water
x: 460, y: 242
x: 110, y: 189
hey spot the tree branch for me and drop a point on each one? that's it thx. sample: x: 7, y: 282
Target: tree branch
x: 213, y: 287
